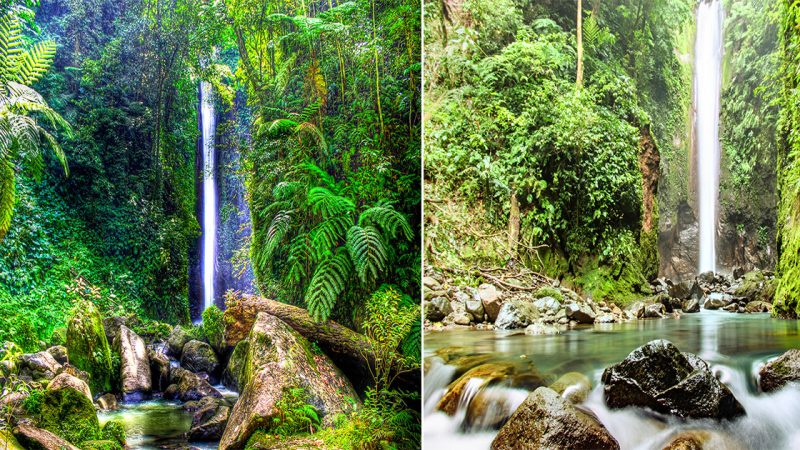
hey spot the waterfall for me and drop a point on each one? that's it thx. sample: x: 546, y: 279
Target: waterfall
x: 209, y: 230
x: 707, y: 86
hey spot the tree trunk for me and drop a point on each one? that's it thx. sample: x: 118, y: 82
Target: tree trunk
x: 579, y: 26
x: 350, y: 351
x: 513, y: 225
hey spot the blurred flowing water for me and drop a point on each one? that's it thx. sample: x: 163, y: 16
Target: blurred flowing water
x: 734, y: 345
x: 209, y: 258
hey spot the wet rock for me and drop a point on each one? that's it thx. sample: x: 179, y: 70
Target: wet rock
x: 111, y: 326
x: 459, y: 316
x: 781, y: 371
x: 492, y: 407
x: 159, y: 370
x: 637, y: 310
x: 516, y: 313
x: 605, y: 318
x: 691, y: 306
x: 137, y: 379
x: 540, y: 329
x: 706, y: 277
x: 88, y: 346
x: 487, y: 373
x: 697, y: 292
x: 39, y: 366
x: 492, y: 300
x: 702, y: 439
x: 547, y: 304
x: 547, y: 421
x: 278, y: 360
x: 738, y: 272
x: 209, y: 420
x: 233, y: 376
x: 581, y: 313
x: 59, y: 353
x: 659, y: 377
x: 665, y: 301
x: 431, y: 283
x: 107, y: 402
x: 189, y: 386
x: 733, y: 307
x: 654, y: 311
x: 573, y: 387
x: 474, y: 305
x: 437, y: 309
x: 682, y: 290
x: 199, y: 357
x: 36, y: 438
x: 176, y: 340
x: 717, y: 300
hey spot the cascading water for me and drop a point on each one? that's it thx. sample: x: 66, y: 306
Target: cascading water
x: 209, y: 231
x: 707, y: 86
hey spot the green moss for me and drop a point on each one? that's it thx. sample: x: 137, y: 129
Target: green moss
x: 648, y: 241
x: 114, y: 431
x: 9, y: 442
x: 214, y: 327
x: 101, y: 445
x: 69, y: 414
x: 33, y: 402
x: 549, y: 291
x: 237, y: 365
x: 88, y: 346
x: 621, y: 285
x: 59, y: 336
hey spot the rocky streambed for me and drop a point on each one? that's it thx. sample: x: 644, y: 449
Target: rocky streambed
x: 695, y: 365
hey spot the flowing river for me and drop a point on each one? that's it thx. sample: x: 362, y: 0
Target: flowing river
x: 734, y: 345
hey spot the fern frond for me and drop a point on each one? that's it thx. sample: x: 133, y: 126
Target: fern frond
x: 286, y: 190
x: 326, y: 204
x: 387, y: 219
x: 277, y: 230
x: 316, y: 174
x: 367, y: 251
x: 300, y: 258
x: 7, y: 196
x: 412, y: 343
x: 281, y: 127
x: 10, y: 45
x: 34, y: 62
x: 329, y: 233
x: 329, y: 281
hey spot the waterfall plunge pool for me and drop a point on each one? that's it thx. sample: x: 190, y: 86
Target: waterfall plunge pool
x: 734, y: 345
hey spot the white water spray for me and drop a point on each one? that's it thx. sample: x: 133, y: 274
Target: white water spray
x: 707, y: 86
x: 209, y: 194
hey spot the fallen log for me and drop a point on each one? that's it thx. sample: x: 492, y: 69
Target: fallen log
x: 349, y: 350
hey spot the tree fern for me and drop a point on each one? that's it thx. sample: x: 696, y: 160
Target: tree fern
x: 329, y: 281
x: 366, y: 247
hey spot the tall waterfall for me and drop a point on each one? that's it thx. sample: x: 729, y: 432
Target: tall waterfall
x: 209, y: 255
x: 707, y: 86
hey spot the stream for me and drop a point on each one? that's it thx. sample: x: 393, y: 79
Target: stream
x: 159, y: 424
x: 734, y: 345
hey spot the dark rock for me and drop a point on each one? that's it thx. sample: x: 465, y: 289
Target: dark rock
x: 659, y: 377
x: 682, y: 290
x: 665, y: 301
x: 189, y: 386
x: 209, y: 420
x: 159, y: 369
x: 697, y: 292
x: 39, y: 366
x: 757, y: 306
x: 233, y: 376
x: 781, y: 371
x: 738, y: 272
x: 437, y: 309
x: 111, y: 326
x: 581, y: 313
x: 107, y: 402
x: 516, y: 313
x: 547, y: 421
x: 199, y: 357
x: 487, y: 373
x: 654, y: 311
x: 706, y: 277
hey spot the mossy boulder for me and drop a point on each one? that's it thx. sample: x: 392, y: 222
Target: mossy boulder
x: 278, y: 359
x: 755, y: 286
x: 101, y: 445
x: 114, y: 431
x: 188, y: 386
x: 233, y: 375
x: 781, y: 371
x: 88, y: 346
x: 68, y: 412
x: 33, y: 438
x: 176, y: 340
x: 200, y: 357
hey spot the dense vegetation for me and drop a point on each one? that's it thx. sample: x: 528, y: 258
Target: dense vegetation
x: 518, y: 126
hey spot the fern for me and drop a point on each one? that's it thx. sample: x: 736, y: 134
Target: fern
x: 387, y: 219
x: 368, y: 252
x: 277, y: 231
x: 329, y: 281
x: 327, y: 204
x: 329, y: 233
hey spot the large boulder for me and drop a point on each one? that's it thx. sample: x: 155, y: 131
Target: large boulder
x: 547, y: 304
x: 209, y: 420
x: 757, y: 306
x: 717, y: 300
x: 691, y: 305
x: 33, y: 438
x: 59, y: 353
x: 573, y: 386
x: 659, y: 377
x: 492, y: 300
x: 780, y: 371
x: 682, y: 290
x: 459, y: 314
x: 473, y: 304
x: 88, y: 346
x: 751, y: 286
x: 137, y: 379
x: 188, y: 386
x: 486, y: 373
x: 176, y: 340
x: 279, y: 359
x: 39, y: 366
x: 580, y: 312
x: 199, y: 357
x: 547, y: 421
x: 654, y: 311
x: 67, y: 410
x: 516, y: 313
